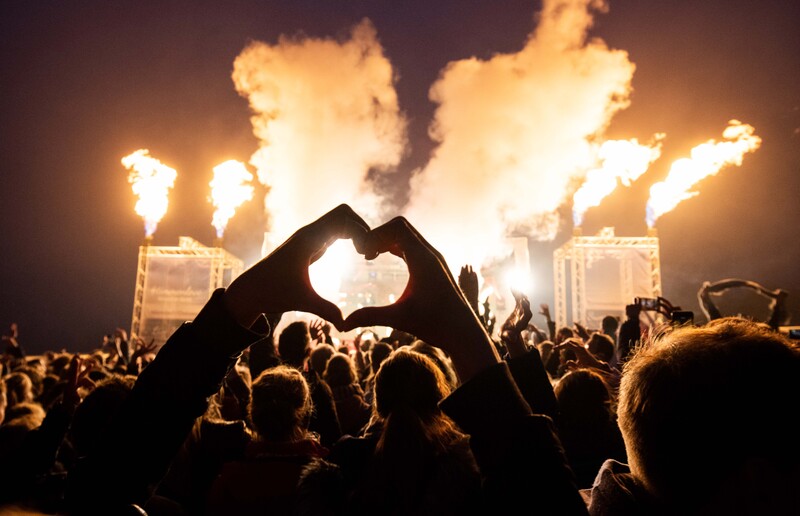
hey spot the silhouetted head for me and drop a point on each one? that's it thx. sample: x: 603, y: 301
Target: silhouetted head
x: 96, y: 411
x: 564, y: 333
x: 319, y: 357
x: 439, y: 358
x: 379, y: 352
x: 709, y: 416
x: 340, y: 371
x: 280, y: 407
x: 409, y: 381
x: 19, y: 388
x: 610, y: 324
x: 601, y: 346
x: 584, y: 395
x: 294, y: 344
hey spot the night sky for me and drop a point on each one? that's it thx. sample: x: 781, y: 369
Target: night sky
x: 84, y: 83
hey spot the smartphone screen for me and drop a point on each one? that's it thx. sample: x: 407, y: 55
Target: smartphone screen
x: 648, y: 303
x: 682, y: 317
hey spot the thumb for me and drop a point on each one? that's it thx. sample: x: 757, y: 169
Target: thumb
x: 325, y: 309
x: 372, y: 316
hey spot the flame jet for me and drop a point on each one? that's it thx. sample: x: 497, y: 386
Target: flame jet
x: 706, y: 160
x: 229, y: 189
x: 623, y: 161
x: 150, y: 180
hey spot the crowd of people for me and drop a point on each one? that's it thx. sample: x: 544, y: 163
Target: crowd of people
x: 453, y: 413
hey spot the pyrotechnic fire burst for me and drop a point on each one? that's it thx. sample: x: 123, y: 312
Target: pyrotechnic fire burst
x: 706, y: 160
x: 228, y: 191
x: 622, y: 161
x: 150, y: 180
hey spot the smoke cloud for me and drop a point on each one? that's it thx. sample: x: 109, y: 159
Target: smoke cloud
x: 325, y: 114
x: 514, y: 132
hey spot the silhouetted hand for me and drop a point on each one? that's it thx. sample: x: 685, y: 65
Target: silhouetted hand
x: 540, y: 336
x: 77, y: 372
x: 581, y: 331
x: 583, y: 358
x: 544, y: 309
x: 468, y: 282
x: 432, y: 307
x: 511, y: 332
x: 141, y: 349
x: 315, y: 328
x: 488, y: 318
x: 280, y: 282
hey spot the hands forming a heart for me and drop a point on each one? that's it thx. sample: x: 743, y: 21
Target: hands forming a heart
x: 432, y: 307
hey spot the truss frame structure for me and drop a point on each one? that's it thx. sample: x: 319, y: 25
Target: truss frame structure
x: 224, y: 268
x: 570, y: 264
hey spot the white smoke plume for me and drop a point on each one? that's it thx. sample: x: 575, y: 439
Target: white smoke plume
x: 514, y: 131
x: 325, y: 113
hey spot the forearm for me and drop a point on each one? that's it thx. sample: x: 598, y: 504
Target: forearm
x: 160, y: 410
x: 531, y: 377
x: 476, y: 352
x: 519, y: 454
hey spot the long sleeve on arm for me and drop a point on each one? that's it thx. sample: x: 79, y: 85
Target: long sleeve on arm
x: 531, y: 377
x: 168, y: 396
x: 521, y: 459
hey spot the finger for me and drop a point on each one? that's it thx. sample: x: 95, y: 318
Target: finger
x: 320, y: 306
x: 389, y: 316
x: 339, y: 223
x: 424, y: 261
x: 74, y: 369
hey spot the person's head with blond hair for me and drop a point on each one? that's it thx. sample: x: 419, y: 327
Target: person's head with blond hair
x: 708, y: 415
x: 280, y: 405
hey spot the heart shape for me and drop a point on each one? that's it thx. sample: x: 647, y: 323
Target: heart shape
x: 345, y: 278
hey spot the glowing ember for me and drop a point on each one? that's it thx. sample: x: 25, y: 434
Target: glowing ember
x: 706, y: 160
x: 622, y: 161
x: 151, y: 181
x: 228, y: 191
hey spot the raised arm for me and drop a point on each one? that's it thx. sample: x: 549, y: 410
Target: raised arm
x: 432, y: 308
x: 519, y: 455
x: 173, y: 390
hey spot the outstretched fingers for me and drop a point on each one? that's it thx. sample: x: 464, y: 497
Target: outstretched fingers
x: 339, y: 223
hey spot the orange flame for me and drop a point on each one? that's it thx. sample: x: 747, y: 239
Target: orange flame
x: 706, y: 160
x: 228, y: 191
x: 150, y: 180
x: 622, y: 161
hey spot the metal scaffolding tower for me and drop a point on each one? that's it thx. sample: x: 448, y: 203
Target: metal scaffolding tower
x: 173, y: 283
x: 601, y: 274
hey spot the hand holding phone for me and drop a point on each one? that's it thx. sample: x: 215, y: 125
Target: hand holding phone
x: 647, y: 303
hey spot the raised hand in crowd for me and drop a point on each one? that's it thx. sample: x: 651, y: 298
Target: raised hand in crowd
x: 581, y: 331
x: 316, y: 330
x: 468, y: 282
x: 77, y: 378
x: 172, y: 392
x: 544, y: 309
x: 538, y: 335
x: 433, y: 306
x: 583, y: 358
x: 517, y: 322
x: 280, y: 282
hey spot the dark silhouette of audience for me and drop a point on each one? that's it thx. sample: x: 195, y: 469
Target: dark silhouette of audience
x: 265, y: 479
x: 679, y: 419
x: 294, y: 349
